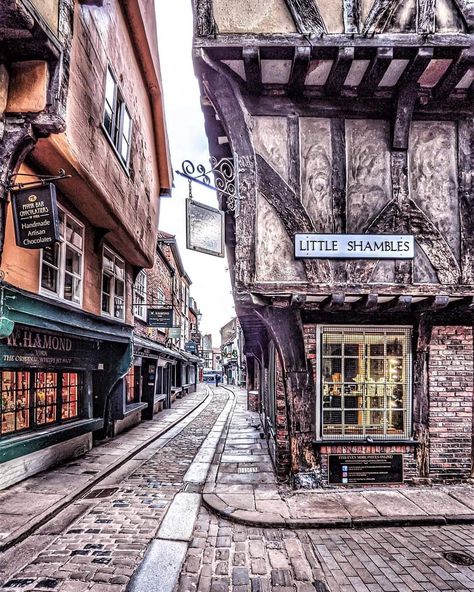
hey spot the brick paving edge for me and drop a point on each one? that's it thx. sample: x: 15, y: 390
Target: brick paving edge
x: 266, y: 520
x: 41, y: 519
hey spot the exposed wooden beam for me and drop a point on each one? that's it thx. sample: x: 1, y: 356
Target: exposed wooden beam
x: 432, y: 303
x: 465, y: 168
x: 425, y: 17
x: 294, y: 165
x: 379, y: 16
x: 401, y: 303
x: 416, y: 67
x: 466, y: 7
x: 333, y: 302
x: 306, y: 15
x: 352, y: 16
x: 205, y: 24
x: 404, y: 114
x: 299, y: 71
x: 253, y: 70
x: 366, y: 303
x: 339, y: 71
x: 375, y: 72
x: 454, y: 74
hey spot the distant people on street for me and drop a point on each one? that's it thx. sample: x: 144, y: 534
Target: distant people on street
x: 218, y: 378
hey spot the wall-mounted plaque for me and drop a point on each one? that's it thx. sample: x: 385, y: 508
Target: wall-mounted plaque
x: 174, y: 332
x: 354, y: 246
x: 365, y: 469
x: 35, y: 217
x: 204, y: 229
x: 160, y: 317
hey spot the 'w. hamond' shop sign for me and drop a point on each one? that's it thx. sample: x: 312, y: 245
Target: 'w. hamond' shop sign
x: 354, y: 246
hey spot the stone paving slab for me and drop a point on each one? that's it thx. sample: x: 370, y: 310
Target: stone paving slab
x: 29, y: 502
x: 244, y: 489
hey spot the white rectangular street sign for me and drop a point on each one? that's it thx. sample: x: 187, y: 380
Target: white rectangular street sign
x: 355, y: 246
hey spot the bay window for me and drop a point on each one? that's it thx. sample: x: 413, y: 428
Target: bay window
x: 113, y: 285
x: 365, y: 382
x: 62, y: 262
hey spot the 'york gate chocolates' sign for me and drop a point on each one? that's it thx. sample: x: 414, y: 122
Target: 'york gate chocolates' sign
x: 354, y: 246
x: 35, y: 215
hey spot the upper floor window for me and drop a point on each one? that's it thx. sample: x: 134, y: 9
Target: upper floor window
x: 113, y: 285
x: 140, y: 295
x: 117, y: 120
x: 62, y: 262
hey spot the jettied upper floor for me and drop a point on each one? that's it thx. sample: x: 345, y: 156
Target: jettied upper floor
x: 343, y: 116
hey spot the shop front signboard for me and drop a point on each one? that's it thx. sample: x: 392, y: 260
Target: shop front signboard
x: 365, y: 469
x: 174, y: 332
x: 204, y: 229
x: 190, y: 347
x: 35, y: 217
x: 160, y: 317
x: 354, y: 246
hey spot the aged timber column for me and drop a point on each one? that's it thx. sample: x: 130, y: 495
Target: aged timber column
x: 286, y: 328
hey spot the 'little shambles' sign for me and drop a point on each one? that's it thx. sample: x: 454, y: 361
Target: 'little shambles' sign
x: 354, y: 246
x: 35, y: 215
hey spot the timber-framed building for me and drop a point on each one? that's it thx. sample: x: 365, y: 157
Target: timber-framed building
x: 350, y: 117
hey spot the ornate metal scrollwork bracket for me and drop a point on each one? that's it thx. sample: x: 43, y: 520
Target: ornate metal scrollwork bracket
x: 224, y: 179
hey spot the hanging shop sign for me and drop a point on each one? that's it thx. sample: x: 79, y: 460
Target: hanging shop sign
x: 174, y: 332
x: 204, y: 229
x: 35, y: 217
x: 160, y: 317
x: 190, y: 347
x: 365, y: 469
x: 354, y: 246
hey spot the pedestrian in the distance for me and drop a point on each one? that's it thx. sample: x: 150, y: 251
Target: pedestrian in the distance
x: 217, y: 379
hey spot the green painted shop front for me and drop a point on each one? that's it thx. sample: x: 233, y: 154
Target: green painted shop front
x: 58, y: 369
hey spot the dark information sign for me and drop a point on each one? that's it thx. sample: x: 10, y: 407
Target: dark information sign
x: 35, y: 215
x: 365, y: 469
x: 160, y: 317
x: 190, y: 347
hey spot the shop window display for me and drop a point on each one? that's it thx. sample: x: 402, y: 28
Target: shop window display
x: 34, y: 399
x: 365, y: 382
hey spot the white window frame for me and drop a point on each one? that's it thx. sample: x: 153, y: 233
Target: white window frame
x: 62, y: 245
x: 319, y: 400
x: 110, y: 313
x: 119, y: 112
x: 140, y: 295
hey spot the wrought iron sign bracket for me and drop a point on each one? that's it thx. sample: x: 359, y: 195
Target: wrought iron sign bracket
x: 224, y: 177
x: 40, y: 180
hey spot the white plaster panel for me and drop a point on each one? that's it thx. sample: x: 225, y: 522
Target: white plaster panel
x: 448, y: 18
x: 276, y: 71
x: 393, y: 73
x: 433, y: 176
x: 331, y: 13
x: 275, y: 260
x: 237, y: 66
x: 368, y: 171
x: 270, y: 138
x: 318, y: 72
x: 356, y: 72
x: 316, y: 165
x: 253, y: 16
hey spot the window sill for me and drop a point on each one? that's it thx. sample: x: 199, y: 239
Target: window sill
x: 133, y: 407
x: 160, y: 397
x: 55, y: 298
x: 364, y: 442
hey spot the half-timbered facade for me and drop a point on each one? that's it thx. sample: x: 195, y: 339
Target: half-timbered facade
x: 350, y: 117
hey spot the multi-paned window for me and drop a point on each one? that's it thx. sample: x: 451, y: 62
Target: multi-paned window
x: 117, y: 120
x: 62, y: 262
x: 365, y: 382
x: 140, y: 295
x: 113, y: 285
x: 37, y: 398
x: 131, y: 386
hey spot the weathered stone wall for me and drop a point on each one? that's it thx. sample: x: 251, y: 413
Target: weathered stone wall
x: 451, y: 403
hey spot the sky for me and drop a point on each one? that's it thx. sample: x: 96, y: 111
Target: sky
x: 211, y: 285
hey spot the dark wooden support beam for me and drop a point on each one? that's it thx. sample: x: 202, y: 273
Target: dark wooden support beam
x: 306, y: 15
x: 299, y: 71
x: 379, y: 15
x: 333, y: 302
x: 432, y: 303
x: 465, y: 168
x: 375, y: 72
x: 466, y: 7
x: 298, y: 300
x: 92, y: 2
x: 425, y: 17
x: 398, y: 304
x: 421, y: 399
x: 253, y: 70
x: 339, y: 71
x: 294, y: 167
x: 352, y: 16
x: 454, y: 74
x: 416, y: 67
x: 366, y: 303
x: 206, y: 26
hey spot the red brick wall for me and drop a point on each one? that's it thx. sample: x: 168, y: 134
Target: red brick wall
x: 282, y: 449
x: 451, y: 401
